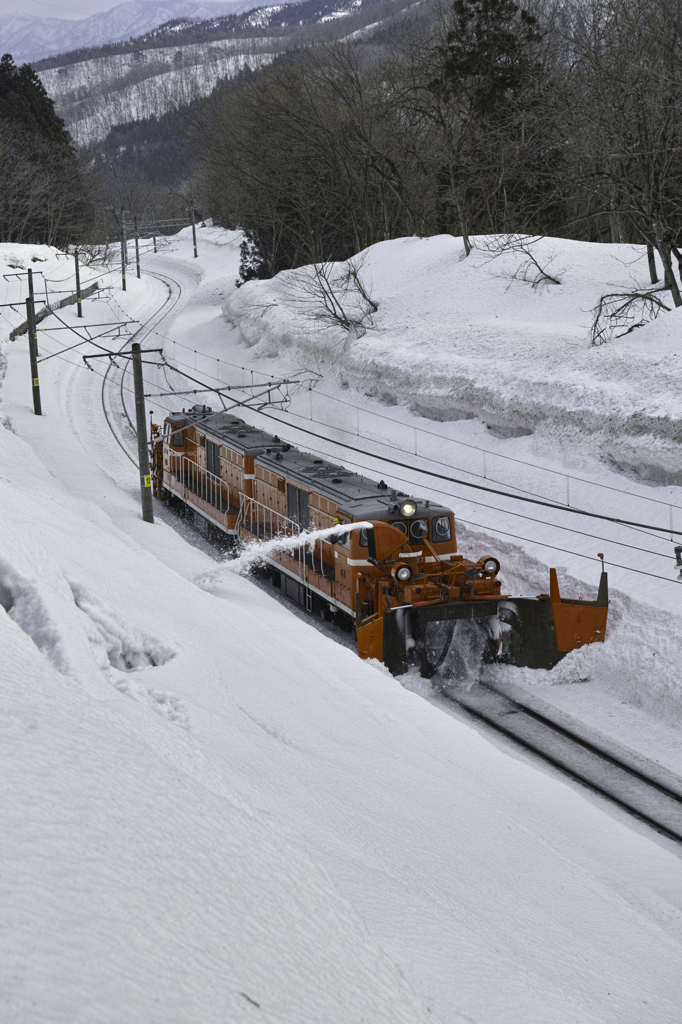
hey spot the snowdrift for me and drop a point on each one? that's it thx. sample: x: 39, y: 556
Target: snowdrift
x: 458, y: 337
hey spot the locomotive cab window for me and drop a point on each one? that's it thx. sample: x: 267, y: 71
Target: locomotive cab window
x: 415, y: 529
x: 178, y: 439
x: 441, y: 530
x: 419, y: 528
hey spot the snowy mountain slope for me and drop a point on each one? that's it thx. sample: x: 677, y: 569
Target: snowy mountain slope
x: 96, y: 90
x: 95, y: 95
x: 31, y: 38
x: 135, y: 881
x: 137, y: 796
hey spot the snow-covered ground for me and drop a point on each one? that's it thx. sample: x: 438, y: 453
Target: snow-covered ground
x: 209, y: 804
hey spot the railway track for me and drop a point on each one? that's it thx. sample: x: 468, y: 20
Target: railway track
x: 142, y: 332
x: 641, y: 788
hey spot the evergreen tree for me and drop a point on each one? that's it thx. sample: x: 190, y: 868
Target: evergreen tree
x: 43, y: 193
x: 252, y: 262
x: 23, y: 98
x: 491, y: 52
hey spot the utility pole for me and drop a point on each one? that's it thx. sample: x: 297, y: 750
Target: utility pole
x: 31, y: 295
x: 79, y: 297
x: 194, y: 233
x: 124, y: 248
x: 154, y: 230
x: 33, y: 353
x: 142, y: 447
x: 137, y: 248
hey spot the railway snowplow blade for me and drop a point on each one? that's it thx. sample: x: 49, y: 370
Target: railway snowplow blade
x: 529, y: 632
x: 541, y: 631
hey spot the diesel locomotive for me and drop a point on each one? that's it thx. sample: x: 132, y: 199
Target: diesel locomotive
x: 399, y: 582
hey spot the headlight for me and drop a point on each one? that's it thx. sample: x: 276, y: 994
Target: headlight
x: 491, y: 565
x: 403, y: 573
x: 408, y: 508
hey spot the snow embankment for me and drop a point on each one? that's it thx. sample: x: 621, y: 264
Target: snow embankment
x: 142, y: 893
x: 457, y: 337
x: 54, y: 278
x: 137, y: 884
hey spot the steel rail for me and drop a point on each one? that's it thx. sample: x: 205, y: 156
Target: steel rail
x: 170, y: 301
x: 627, y: 786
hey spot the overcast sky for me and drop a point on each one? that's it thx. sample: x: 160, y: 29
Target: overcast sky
x: 46, y: 9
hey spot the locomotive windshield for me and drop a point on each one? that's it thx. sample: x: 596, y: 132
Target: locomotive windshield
x: 441, y: 530
x: 417, y: 529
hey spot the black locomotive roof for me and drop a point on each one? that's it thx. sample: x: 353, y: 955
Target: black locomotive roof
x: 323, y: 477
x: 357, y: 496
x: 229, y: 429
x: 388, y: 507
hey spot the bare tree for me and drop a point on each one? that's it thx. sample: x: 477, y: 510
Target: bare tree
x: 625, y: 128
x: 529, y: 267
x: 620, y: 313
x: 335, y: 295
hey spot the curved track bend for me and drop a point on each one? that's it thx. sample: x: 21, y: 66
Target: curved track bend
x: 143, y: 331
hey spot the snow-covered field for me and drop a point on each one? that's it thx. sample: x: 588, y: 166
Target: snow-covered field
x: 211, y: 810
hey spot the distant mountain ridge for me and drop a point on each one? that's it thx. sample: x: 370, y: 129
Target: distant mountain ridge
x: 31, y: 39
x: 181, y: 61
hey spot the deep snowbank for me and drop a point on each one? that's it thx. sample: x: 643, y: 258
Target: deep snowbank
x: 137, y: 884
x: 135, y: 890
x: 456, y: 337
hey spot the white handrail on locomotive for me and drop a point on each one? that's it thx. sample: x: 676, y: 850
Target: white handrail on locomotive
x: 204, y: 485
x: 253, y: 516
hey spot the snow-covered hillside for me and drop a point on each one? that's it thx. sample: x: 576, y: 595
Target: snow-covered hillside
x: 183, y: 60
x: 214, y: 811
x: 94, y: 95
x: 459, y: 338
x: 30, y: 37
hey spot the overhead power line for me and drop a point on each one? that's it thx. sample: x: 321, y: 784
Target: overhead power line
x: 480, y: 487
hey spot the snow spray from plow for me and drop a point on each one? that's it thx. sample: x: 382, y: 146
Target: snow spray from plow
x: 414, y: 618
x: 258, y: 551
